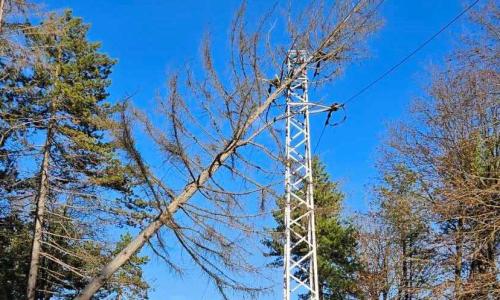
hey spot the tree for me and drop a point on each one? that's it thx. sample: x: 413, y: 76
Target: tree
x: 15, y: 235
x: 452, y: 144
x: 14, y: 230
x: 213, y: 122
x: 57, y: 96
x: 70, y: 80
x: 378, y: 257
x: 338, y: 262
x: 402, y: 230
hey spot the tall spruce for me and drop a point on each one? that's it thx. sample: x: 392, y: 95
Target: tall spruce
x: 338, y: 261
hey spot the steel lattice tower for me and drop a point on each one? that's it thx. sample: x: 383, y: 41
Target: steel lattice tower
x: 301, y: 271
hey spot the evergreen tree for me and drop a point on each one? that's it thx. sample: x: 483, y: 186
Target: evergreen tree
x: 15, y: 235
x: 337, y: 259
x: 68, y: 85
x: 56, y: 99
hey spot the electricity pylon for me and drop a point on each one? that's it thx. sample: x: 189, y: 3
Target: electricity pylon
x: 301, y: 271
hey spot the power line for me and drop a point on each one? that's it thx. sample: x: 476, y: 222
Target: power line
x: 401, y: 62
x: 407, y: 57
x: 319, y: 139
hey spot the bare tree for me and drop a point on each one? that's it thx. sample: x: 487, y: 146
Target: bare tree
x: 220, y: 129
x: 378, y: 256
x: 398, y: 246
x: 452, y: 145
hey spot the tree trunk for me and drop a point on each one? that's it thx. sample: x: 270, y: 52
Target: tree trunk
x: 410, y: 274
x: 42, y: 194
x: 404, y: 279
x: 458, y: 260
x: 385, y: 271
x: 189, y: 190
x: 2, y: 4
x: 40, y: 211
x: 151, y: 229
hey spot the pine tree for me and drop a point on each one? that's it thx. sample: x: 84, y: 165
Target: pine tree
x: 56, y: 98
x: 68, y: 82
x: 337, y: 258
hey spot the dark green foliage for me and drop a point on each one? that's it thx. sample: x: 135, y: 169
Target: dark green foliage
x: 15, y: 238
x: 337, y: 258
x: 14, y: 256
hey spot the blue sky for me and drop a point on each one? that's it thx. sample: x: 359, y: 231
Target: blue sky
x: 151, y: 37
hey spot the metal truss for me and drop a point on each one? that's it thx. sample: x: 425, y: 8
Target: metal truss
x: 300, y: 259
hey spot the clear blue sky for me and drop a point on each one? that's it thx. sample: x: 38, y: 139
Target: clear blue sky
x: 151, y: 37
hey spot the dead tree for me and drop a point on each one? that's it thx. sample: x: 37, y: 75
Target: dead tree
x: 219, y: 131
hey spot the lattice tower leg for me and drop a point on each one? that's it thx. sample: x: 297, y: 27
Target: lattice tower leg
x: 300, y: 258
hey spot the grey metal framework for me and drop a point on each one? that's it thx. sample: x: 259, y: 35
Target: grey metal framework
x: 301, y: 271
